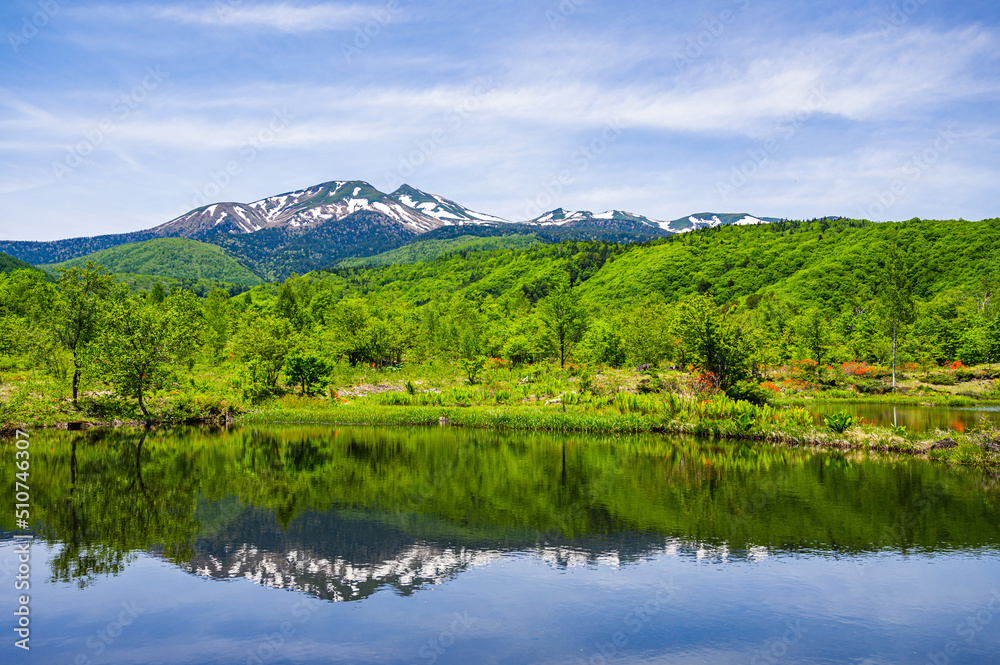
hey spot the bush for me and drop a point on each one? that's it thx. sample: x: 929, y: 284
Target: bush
x: 748, y: 391
x: 306, y: 370
x: 473, y: 367
x: 940, y: 379
x: 839, y: 422
x: 870, y: 387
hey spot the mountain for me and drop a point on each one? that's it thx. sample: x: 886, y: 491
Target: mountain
x: 275, y: 253
x: 302, y: 209
x: 179, y: 258
x: 9, y: 264
x: 312, y: 228
x: 54, y: 251
x: 429, y: 249
x: 711, y: 220
x: 562, y: 217
x: 414, y: 210
x: 622, y: 220
x: 440, y: 208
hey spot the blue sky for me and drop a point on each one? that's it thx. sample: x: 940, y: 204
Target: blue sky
x: 118, y: 116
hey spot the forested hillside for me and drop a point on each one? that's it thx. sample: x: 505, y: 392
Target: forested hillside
x: 730, y: 304
x: 175, y: 258
x: 9, y: 263
x: 428, y: 250
x: 821, y: 263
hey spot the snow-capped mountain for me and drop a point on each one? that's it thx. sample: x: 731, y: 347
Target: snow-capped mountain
x: 301, y: 209
x: 415, y: 210
x: 560, y: 217
x: 443, y: 209
x: 312, y: 228
x: 710, y: 220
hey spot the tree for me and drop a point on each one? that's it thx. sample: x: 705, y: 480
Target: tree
x: 896, y: 295
x: 644, y: 330
x: 141, y: 341
x: 216, y: 313
x: 716, y: 341
x: 83, y: 292
x: 563, y: 316
x: 306, y: 370
x: 157, y: 293
x: 262, y: 343
x: 813, y: 332
x: 287, y: 305
x: 27, y: 303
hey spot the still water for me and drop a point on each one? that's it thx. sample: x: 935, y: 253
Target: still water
x: 362, y: 545
x: 914, y: 417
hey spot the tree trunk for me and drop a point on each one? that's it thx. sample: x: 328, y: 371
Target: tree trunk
x: 562, y: 352
x: 142, y: 406
x: 894, y: 354
x: 76, y: 384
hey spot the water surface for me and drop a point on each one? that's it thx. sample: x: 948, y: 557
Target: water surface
x: 914, y: 417
x: 364, y: 545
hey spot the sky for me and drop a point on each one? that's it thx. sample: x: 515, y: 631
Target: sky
x: 119, y: 116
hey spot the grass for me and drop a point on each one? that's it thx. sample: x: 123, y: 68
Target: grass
x: 541, y: 397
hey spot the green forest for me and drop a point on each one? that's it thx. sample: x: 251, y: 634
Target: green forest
x: 765, y: 314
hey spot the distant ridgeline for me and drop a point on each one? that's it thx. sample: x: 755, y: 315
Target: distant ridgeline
x: 828, y: 263
x: 313, y: 228
x: 8, y: 263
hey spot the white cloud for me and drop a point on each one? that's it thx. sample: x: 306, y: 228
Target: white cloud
x: 282, y: 17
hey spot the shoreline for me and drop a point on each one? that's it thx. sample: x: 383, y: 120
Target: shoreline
x: 967, y: 449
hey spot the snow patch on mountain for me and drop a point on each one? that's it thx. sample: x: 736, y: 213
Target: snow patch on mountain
x: 412, y: 208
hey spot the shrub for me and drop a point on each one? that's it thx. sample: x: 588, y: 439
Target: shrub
x: 940, y: 379
x: 870, y: 387
x: 748, y: 391
x: 839, y: 422
x: 473, y: 367
x: 962, y: 375
x: 306, y: 370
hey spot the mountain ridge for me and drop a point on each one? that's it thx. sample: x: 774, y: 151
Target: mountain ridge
x: 313, y: 227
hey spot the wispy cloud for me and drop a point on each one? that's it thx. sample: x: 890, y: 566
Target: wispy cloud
x: 280, y: 17
x: 868, y: 100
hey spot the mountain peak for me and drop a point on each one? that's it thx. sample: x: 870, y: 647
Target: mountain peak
x: 445, y: 210
x: 710, y: 220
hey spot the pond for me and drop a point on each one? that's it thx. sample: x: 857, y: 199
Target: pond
x: 315, y: 544
x: 914, y: 417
